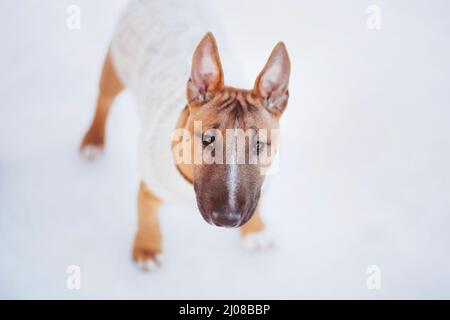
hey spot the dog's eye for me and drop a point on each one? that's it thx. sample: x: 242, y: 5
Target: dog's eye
x: 259, y: 146
x: 207, y: 140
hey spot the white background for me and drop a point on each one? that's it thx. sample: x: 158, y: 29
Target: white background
x: 363, y: 179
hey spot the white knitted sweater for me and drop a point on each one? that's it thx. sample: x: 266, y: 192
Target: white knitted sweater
x: 151, y: 51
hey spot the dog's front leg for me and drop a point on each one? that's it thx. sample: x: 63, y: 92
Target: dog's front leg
x: 254, y: 235
x: 147, y: 243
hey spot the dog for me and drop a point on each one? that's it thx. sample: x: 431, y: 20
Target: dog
x: 147, y: 56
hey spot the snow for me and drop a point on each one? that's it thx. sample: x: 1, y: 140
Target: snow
x: 363, y: 177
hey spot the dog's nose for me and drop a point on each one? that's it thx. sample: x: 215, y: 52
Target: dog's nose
x: 227, y: 219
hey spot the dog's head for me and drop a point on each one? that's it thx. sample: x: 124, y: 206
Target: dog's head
x: 234, y: 131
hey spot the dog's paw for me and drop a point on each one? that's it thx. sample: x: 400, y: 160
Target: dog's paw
x: 257, y: 241
x: 91, y: 152
x: 147, y: 260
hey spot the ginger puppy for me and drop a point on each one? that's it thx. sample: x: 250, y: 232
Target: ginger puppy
x: 202, y: 142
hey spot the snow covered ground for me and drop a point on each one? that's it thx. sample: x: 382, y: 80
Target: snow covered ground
x: 364, y: 177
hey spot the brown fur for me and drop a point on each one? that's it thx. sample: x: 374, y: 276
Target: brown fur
x: 109, y: 88
x: 228, y: 193
x: 228, y: 107
x: 147, y: 243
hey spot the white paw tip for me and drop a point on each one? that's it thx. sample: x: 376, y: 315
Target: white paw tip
x: 147, y: 265
x: 91, y: 152
x: 159, y: 259
x: 256, y: 241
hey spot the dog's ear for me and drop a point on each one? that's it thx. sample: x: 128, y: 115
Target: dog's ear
x: 271, y: 85
x: 206, y: 73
